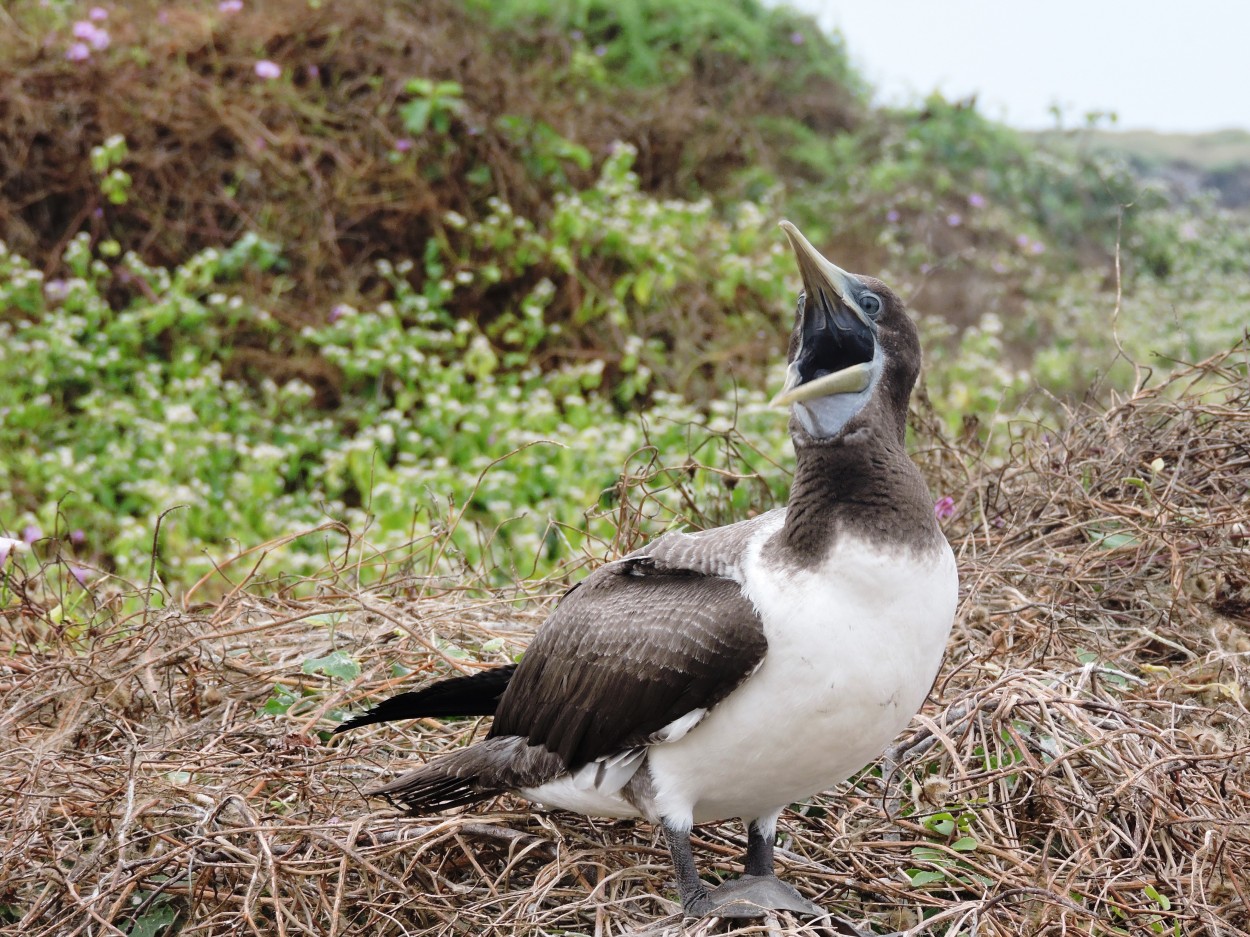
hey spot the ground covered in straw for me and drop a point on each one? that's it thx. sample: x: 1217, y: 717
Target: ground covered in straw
x: 1081, y: 766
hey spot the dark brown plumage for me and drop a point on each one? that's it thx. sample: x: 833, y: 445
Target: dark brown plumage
x: 690, y: 640
x: 861, y: 482
x: 588, y: 687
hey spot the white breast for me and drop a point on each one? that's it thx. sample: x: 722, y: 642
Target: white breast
x: 853, y: 648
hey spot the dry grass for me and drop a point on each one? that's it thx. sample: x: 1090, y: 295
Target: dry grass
x: 1088, y: 736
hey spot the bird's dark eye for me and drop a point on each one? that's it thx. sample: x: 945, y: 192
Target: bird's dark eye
x: 870, y: 303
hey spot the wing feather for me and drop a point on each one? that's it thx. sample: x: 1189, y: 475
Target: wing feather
x: 640, y: 643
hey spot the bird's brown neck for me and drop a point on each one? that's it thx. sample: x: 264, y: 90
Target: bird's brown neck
x: 861, y: 483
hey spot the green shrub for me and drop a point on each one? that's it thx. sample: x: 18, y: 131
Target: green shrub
x: 113, y: 415
x: 649, y: 42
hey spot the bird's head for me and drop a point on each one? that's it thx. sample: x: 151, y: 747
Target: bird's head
x: 853, y: 347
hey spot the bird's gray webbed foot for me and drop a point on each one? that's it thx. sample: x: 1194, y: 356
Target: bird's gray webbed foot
x: 751, y: 896
x: 754, y: 896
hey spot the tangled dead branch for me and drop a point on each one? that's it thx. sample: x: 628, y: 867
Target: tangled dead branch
x: 1081, y: 767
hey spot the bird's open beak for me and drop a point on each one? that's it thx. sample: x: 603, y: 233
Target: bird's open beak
x: 827, y: 288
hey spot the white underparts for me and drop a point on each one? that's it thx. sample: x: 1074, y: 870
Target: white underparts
x: 853, y: 647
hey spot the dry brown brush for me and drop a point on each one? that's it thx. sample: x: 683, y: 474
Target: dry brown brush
x: 310, y: 160
x: 1081, y: 767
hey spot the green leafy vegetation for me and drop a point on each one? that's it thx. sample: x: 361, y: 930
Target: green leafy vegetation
x: 651, y: 42
x: 324, y: 294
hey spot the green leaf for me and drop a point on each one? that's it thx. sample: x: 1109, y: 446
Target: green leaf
x: 929, y: 854
x: 1111, y: 538
x: 479, y: 174
x: 278, y: 703
x: 964, y: 844
x: 153, y: 921
x: 416, y: 115
x: 643, y: 283
x: 924, y: 877
x: 330, y: 619
x: 338, y: 664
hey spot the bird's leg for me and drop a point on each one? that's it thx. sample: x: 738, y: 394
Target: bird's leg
x: 694, y: 900
x: 759, y: 889
x: 747, y: 897
x: 761, y: 834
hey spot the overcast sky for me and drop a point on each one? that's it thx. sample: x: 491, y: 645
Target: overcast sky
x: 1170, y: 66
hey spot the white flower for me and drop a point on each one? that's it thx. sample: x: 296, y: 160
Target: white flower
x: 9, y: 545
x: 180, y: 413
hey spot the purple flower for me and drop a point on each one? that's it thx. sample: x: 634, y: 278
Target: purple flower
x: 1022, y: 240
x: 954, y: 219
x: 79, y: 574
x: 892, y: 215
x: 976, y: 200
x: 78, y: 52
x: 230, y: 6
x: 576, y: 35
x: 944, y: 507
x: 77, y: 537
x: 55, y: 290
x: 797, y: 38
x: 403, y: 145
x: 998, y: 267
x: 313, y: 71
x: 925, y: 268
x: 601, y: 51
x: 31, y: 533
x: 338, y: 311
x: 1037, y: 247
x: 88, y: 32
x: 267, y: 69
x: 98, y: 14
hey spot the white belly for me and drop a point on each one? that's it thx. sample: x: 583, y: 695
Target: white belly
x: 853, y: 648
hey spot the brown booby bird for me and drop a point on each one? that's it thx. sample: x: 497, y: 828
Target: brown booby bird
x: 727, y: 673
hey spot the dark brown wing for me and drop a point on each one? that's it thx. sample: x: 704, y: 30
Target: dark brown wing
x: 637, y: 645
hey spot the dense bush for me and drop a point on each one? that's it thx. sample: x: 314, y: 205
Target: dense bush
x: 351, y: 257
x: 115, y: 413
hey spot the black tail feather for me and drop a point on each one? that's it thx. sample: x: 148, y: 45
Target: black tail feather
x: 423, y: 792
x: 475, y: 694
x: 467, y: 775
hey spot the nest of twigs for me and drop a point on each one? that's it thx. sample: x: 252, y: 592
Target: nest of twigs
x: 1081, y: 767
